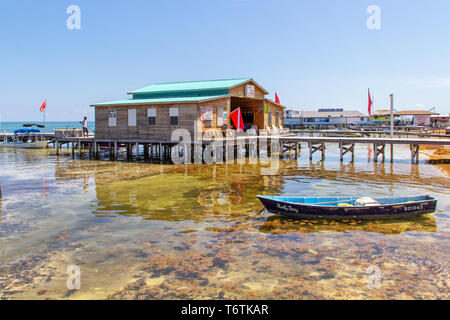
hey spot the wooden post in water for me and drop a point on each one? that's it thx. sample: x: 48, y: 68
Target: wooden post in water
x: 353, y: 152
x: 95, y: 148
x: 379, y: 149
x: 310, y: 151
x: 414, y: 153
x: 392, y: 153
x: 145, y: 151
x: 313, y: 148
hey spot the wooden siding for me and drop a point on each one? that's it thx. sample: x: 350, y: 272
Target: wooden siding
x: 239, y: 91
x: 162, y: 130
x: 215, y: 104
x: 274, y: 108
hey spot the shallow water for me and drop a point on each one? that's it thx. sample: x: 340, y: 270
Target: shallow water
x: 151, y: 231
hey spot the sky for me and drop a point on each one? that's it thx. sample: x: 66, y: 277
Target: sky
x: 317, y: 53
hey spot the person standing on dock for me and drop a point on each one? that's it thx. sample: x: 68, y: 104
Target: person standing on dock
x: 85, y: 127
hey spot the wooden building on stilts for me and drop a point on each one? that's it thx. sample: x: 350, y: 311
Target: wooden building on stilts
x: 154, y: 112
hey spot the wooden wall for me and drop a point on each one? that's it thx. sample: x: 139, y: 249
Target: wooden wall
x: 215, y: 104
x: 239, y: 91
x: 274, y: 108
x: 187, y: 115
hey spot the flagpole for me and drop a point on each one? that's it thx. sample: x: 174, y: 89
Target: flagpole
x: 239, y: 120
x: 44, y: 123
x: 392, y: 126
x: 392, y: 115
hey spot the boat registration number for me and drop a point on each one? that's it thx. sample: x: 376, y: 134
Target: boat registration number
x: 414, y: 208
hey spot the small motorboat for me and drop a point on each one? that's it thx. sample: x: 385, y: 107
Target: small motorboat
x: 24, y: 145
x: 26, y: 138
x: 349, y: 208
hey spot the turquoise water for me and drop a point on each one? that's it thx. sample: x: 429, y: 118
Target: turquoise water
x: 9, y: 127
x: 139, y: 230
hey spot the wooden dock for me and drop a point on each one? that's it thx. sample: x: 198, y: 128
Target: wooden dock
x: 285, y: 145
x: 369, y: 133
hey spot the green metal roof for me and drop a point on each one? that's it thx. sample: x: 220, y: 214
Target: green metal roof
x: 158, y: 100
x: 191, y: 86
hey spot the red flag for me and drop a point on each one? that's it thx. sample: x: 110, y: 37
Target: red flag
x: 238, y: 122
x: 370, y: 104
x: 277, y: 100
x: 43, y: 106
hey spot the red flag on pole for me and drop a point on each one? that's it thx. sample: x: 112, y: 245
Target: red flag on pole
x: 43, y: 106
x: 277, y: 99
x: 238, y: 122
x: 370, y: 104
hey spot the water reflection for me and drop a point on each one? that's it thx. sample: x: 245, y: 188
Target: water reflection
x: 279, y: 224
x: 142, y: 230
x: 199, y: 193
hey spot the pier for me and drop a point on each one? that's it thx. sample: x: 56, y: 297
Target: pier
x: 281, y: 145
x: 369, y: 133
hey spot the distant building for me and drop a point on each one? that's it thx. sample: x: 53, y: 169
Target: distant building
x: 291, y: 113
x: 381, y: 115
x: 291, y: 118
x: 440, y: 120
x: 333, y: 117
x: 414, y: 117
x: 325, y: 117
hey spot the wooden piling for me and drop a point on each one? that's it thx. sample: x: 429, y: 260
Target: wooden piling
x: 414, y: 153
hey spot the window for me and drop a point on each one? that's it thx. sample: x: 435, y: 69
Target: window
x: 132, y: 117
x: 277, y: 118
x: 219, y: 116
x: 112, y: 118
x: 173, y: 113
x: 270, y: 118
x: 208, y: 116
x: 151, y: 114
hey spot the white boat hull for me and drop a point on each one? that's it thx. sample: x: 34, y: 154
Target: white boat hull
x: 25, y: 145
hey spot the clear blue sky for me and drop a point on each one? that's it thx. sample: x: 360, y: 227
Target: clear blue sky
x: 314, y: 53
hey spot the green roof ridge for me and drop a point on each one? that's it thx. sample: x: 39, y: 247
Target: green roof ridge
x: 210, y: 80
x: 159, y: 100
x: 191, y: 85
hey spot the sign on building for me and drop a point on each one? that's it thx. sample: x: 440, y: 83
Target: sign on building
x: 250, y: 91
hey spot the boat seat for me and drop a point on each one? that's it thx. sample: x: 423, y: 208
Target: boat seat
x: 367, y: 202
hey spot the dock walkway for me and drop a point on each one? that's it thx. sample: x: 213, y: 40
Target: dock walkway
x: 287, y: 144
